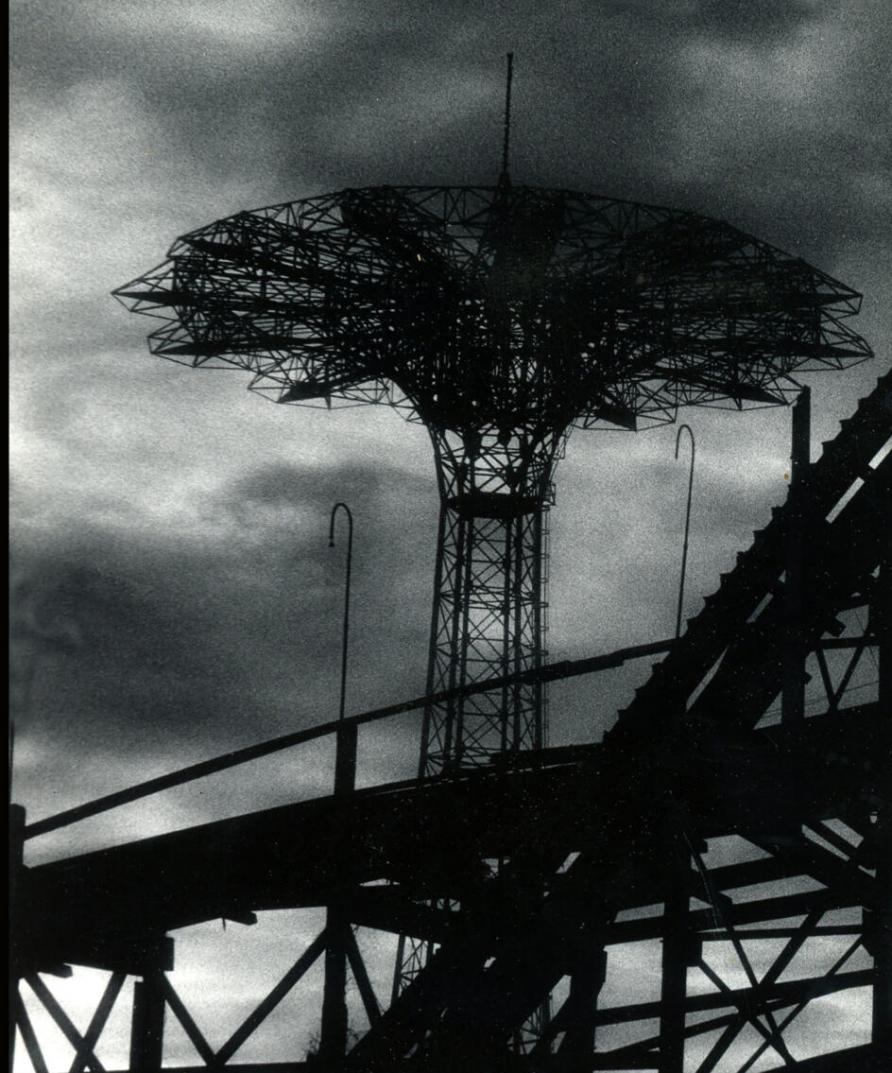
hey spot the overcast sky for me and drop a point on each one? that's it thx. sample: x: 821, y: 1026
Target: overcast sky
x: 169, y: 528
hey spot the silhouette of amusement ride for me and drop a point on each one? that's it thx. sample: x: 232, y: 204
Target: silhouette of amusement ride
x: 501, y: 318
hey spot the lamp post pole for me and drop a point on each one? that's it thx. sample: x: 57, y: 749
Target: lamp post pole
x: 333, y: 1035
x: 345, y: 762
x: 687, y: 525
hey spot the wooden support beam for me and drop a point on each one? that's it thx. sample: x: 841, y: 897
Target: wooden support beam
x: 794, y: 650
x: 752, y: 1008
x: 333, y: 1032
x: 244, y: 1067
x: 793, y: 1013
x: 64, y: 1022
x: 345, y: 758
x: 787, y: 993
x: 676, y: 946
x: 29, y: 1036
x: 360, y: 974
x: 97, y: 1022
x: 586, y: 981
x: 550, y: 672
x: 755, y: 1006
x: 811, y: 859
x: 147, y: 1023
x: 821, y: 931
x: 196, y: 1037
x: 255, y: 1019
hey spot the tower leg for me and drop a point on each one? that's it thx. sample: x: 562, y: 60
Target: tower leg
x: 675, y: 957
x: 147, y: 1024
x: 333, y: 1044
x: 586, y: 981
x: 488, y: 616
x: 487, y: 619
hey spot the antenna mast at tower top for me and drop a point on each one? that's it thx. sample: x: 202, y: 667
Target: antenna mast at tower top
x: 500, y: 318
x: 504, y: 179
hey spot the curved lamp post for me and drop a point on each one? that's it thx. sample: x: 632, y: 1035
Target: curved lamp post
x: 687, y: 524
x: 333, y: 1035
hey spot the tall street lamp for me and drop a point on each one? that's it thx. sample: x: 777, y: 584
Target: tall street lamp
x: 333, y: 1041
x: 345, y: 762
x: 687, y: 524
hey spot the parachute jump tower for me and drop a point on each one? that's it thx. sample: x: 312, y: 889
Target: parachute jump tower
x: 501, y: 318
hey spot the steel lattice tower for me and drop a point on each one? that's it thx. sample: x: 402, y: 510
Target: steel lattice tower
x: 501, y: 318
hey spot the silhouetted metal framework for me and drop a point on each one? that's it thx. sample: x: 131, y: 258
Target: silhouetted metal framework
x: 500, y: 317
x: 737, y: 823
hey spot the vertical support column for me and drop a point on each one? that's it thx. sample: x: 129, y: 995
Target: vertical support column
x: 508, y: 698
x: 881, y: 922
x: 522, y: 714
x: 487, y: 619
x: 673, y: 991
x: 345, y: 759
x: 16, y: 866
x: 434, y: 679
x: 586, y: 982
x: 464, y: 707
x: 333, y: 1042
x: 487, y: 615
x: 540, y: 728
x: 147, y: 1023
x: 793, y: 692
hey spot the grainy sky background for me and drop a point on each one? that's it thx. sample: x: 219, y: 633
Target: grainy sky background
x: 173, y: 592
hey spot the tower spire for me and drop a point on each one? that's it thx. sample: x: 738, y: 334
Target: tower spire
x: 504, y: 179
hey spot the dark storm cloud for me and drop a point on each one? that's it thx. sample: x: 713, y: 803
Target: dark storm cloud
x: 628, y: 99
x: 179, y: 652
x: 753, y: 20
